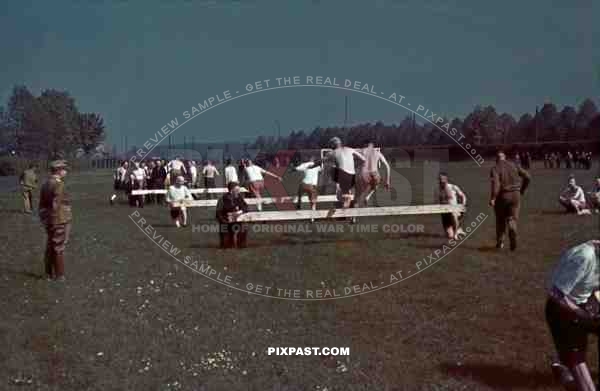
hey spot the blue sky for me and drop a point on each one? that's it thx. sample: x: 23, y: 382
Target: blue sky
x: 142, y: 63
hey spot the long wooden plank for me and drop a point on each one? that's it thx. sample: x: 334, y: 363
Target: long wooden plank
x: 324, y: 214
x: 265, y: 201
x: 218, y: 190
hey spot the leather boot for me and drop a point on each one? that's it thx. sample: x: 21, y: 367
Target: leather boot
x: 59, y: 265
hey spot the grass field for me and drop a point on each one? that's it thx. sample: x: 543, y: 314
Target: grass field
x: 130, y: 317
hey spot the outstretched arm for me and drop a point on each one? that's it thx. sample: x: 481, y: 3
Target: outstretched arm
x: 387, y: 168
x: 359, y: 155
x: 271, y: 174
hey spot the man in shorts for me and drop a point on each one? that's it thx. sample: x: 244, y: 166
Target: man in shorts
x: 572, y: 312
x: 309, y: 182
x: 369, y: 177
x: 177, y: 194
x: 209, y: 171
x: 450, y: 194
x: 345, y: 172
x: 573, y: 198
x: 256, y: 180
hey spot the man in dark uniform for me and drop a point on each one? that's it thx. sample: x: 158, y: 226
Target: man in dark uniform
x: 508, y: 184
x: 56, y: 216
x: 229, y: 207
x: 29, y: 182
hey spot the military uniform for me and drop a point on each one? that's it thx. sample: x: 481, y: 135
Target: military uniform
x: 229, y: 231
x: 509, y: 182
x: 56, y: 216
x: 29, y: 182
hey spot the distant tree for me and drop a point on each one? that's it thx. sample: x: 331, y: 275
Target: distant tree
x: 549, y: 120
x: 586, y: 113
x: 525, y: 130
x: 506, y: 124
x: 61, y: 121
x: 566, y: 123
x: 472, y: 125
x: 594, y: 128
x: 90, y: 131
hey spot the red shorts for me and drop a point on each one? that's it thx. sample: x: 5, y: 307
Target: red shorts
x: 372, y: 179
x: 257, y: 186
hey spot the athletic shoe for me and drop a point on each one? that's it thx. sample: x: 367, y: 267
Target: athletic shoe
x: 562, y: 373
x: 61, y: 279
x: 500, y: 245
x: 513, y: 241
x: 177, y: 224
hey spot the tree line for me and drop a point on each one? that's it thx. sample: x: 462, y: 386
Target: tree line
x: 483, y: 126
x: 48, y: 125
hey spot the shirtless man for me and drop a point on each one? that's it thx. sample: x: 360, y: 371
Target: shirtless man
x: 369, y: 177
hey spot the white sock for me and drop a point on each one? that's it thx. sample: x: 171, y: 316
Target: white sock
x: 113, y: 197
x: 259, y: 206
x: 177, y: 223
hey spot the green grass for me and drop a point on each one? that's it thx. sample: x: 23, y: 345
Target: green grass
x: 474, y: 320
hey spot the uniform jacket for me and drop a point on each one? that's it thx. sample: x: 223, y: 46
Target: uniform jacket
x: 55, y: 203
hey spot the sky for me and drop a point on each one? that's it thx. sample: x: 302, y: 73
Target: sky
x: 141, y: 64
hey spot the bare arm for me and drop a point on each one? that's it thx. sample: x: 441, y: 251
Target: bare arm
x: 462, y: 195
x: 359, y: 155
x: 578, y: 314
x: 526, y: 179
x: 387, y: 167
x: 271, y: 174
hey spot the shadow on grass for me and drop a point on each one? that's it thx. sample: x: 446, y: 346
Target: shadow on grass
x: 552, y: 212
x: 23, y: 273
x: 15, y: 212
x: 501, y: 377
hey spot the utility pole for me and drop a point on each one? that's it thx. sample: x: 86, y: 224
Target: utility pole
x: 536, y: 125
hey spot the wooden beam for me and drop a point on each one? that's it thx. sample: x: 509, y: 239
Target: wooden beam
x: 218, y: 190
x: 265, y: 201
x: 352, y: 212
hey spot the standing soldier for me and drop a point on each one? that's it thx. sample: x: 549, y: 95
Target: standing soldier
x: 508, y: 184
x: 56, y: 216
x: 120, y: 180
x: 137, y: 178
x: 29, y: 182
x: 229, y: 207
x: 157, y: 178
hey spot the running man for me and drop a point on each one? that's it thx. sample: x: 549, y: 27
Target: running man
x: 256, y: 180
x: 450, y: 194
x: 369, y: 177
x: 176, y: 194
x: 176, y: 168
x: 509, y: 183
x: 573, y: 198
x: 209, y: 171
x: 572, y: 312
x: 345, y: 173
x: 309, y: 183
x: 230, y: 173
